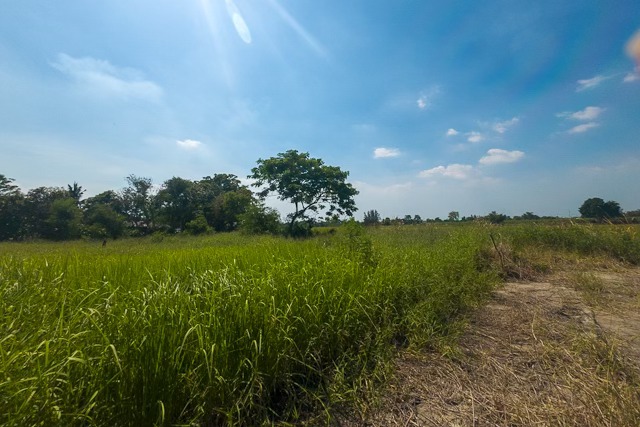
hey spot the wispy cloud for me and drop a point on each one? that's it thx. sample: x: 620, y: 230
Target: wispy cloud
x: 589, y: 113
x: 502, y: 127
x: 583, y: 128
x: 455, y: 171
x: 452, y: 132
x: 189, y: 144
x: 631, y: 77
x: 495, y: 156
x: 382, y: 152
x: 590, y: 83
x: 102, y: 78
x: 474, y: 137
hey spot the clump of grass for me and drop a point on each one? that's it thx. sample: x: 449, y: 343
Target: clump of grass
x: 591, y: 286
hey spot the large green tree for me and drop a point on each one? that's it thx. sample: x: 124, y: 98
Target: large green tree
x: 37, y: 210
x: 138, y: 202
x: 597, y: 208
x: 306, y: 182
x: 175, y: 203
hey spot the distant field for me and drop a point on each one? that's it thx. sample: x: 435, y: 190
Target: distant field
x: 236, y: 330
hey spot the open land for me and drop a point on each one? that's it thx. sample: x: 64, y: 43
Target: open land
x: 520, y: 324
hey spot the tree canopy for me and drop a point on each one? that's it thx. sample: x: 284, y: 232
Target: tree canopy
x: 597, y: 208
x: 306, y: 182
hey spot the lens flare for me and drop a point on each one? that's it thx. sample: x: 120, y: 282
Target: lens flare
x: 238, y: 22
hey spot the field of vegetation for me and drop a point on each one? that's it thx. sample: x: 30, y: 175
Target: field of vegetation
x: 238, y: 330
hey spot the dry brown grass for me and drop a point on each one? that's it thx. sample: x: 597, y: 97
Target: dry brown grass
x: 535, y: 355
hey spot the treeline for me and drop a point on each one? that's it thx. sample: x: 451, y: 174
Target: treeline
x: 214, y: 203
x: 372, y: 217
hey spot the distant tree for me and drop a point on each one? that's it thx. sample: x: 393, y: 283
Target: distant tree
x: 75, y: 191
x: 386, y: 221
x: 633, y: 214
x: 138, y: 202
x: 495, y: 218
x: 64, y: 221
x: 453, y: 216
x: 11, y: 209
x: 109, y: 198
x: 228, y: 206
x: 407, y: 220
x: 102, y: 221
x: 198, y: 225
x: 417, y: 219
x: 174, y: 202
x: 529, y: 216
x: 597, y: 208
x: 258, y: 219
x: 306, y: 182
x: 371, y: 217
x: 37, y: 209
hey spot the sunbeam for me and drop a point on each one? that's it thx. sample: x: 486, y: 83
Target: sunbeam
x: 299, y: 29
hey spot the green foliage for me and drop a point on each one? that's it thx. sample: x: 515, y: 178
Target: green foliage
x: 453, y: 216
x: 371, y: 217
x: 529, y: 216
x: 597, y: 208
x: 223, y: 329
x: 138, y: 204
x: 11, y: 209
x: 306, y: 182
x: 64, y: 221
x: 495, y: 218
x: 103, y: 221
x: 616, y: 241
x: 258, y: 219
x: 198, y: 225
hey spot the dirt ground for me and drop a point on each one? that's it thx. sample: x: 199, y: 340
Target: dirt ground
x: 563, y: 351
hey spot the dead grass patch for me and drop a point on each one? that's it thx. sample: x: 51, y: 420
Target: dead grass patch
x: 535, y: 355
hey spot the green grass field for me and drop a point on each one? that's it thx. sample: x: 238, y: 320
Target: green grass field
x: 236, y: 330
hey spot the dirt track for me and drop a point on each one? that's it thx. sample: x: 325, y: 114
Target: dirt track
x: 560, y: 352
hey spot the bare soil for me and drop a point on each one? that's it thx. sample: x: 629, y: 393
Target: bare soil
x: 563, y: 351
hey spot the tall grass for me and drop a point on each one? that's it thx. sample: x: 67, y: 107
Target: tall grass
x: 223, y: 330
x: 621, y: 242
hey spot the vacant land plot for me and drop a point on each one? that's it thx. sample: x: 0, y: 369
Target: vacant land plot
x: 232, y: 330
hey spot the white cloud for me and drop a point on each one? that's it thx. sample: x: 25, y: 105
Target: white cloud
x: 589, y: 113
x: 631, y: 77
x: 452, y: 132
x: 590, y: 83
x: 381, y: 152
x: 103, y: 78
x: 425, y: 100
x: 502, y: 127
x: 583, y: 128
x: 456, y: 171
x: 474, y: 137
x: 495, y: 156
x: 422, y: 102
x: 189, y: 144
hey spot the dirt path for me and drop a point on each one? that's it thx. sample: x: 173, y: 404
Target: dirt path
x: 560, y: 352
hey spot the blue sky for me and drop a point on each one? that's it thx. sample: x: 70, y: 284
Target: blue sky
x: 431, y: 106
